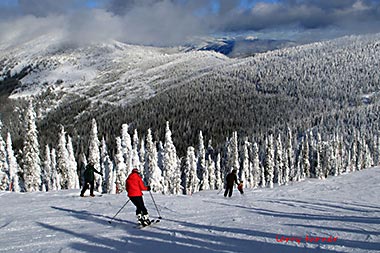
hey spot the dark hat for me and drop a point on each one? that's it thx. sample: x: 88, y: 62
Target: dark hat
x: 135, y: 170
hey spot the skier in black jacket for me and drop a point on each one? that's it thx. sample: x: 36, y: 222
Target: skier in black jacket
x: 89, y: 179
x: 230, y: 180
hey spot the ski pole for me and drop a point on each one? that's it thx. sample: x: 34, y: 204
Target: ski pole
x: 118, y: 211
x: 219, y: 191
x: 159, y: 215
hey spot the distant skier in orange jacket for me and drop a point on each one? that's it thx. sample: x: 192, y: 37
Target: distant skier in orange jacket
x: 240, y: 187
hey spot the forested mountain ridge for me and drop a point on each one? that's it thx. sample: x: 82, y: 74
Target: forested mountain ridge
x: 116, y: 83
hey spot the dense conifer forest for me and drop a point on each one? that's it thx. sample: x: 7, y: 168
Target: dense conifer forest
x: 280, y: 116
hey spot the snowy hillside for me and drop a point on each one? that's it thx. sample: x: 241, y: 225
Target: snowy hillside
x: 109, y: 72
x: 344, y: 209
x: 118, y: 73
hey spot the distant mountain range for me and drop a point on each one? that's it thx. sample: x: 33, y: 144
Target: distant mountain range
x: 240, y: 46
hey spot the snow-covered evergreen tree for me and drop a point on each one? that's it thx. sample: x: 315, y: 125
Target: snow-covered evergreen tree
x: 233, y: 153
x: 368, y: 160
x: 377, y: 150
x: 13, y: 166
x: 360, y: 151
x: 279, y: 165
x: 171, y: 171
x: 135, y: 151
x: 201, y: 165
x: 4, y: 181
x: 332, y: 164
x: 245, y: 170
x: 210, y: 165
x: 256, y: 171
x: 73, y: 179
x: 224, y: 160
x: 312, y: 152
x: 120, y: 167
x: 94, y: 154
x: 290, y: 156
x: 305, y: 163
x: 318, y: 166
x: 55, y: 175
x: 31, y: 153
x: 191, y: 180
x: 82, y: 164
x: 218, y: 173
x: 126, y: 144
x: 269, y: 160
x: 107, y: 169
x: 298, y: 175
x: 286, y: 168
x: 63, y: 160
x: 4, y: 166
x: 153, y: 174
x: 46, y: 170
x: 142, y: 157
x: 262, y: 176
x: 342, y: 155
x: 160, y: 155
x: 335, y: 159
x: 112, y: 181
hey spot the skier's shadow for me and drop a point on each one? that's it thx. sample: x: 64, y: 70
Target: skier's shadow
x: 193, y: 239
x: 86, y: 215
x: 94, y: 242
x: 306, y: 216
x: 329, y: 216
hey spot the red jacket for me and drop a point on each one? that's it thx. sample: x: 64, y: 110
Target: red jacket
x: 134, y: 185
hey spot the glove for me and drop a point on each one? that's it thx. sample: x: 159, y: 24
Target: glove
x: 148, y: 188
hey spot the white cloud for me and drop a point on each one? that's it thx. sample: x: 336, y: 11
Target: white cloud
x: 171, y: 22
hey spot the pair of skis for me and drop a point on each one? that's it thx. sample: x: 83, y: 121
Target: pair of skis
x: 152, y: 222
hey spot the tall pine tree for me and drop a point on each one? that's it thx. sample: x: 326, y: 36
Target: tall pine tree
x: 13, y: 166
x: 4, y: 166
x: 126, y: 144
x: 171, y: 171
x: 201, y: 165
x: 31, y: 153
x: 63, y: 160
x: 94, y: 154
x: 120, y: 168
x: 153, y: 174
x: 269, y: 161
x: 73, y: 179
x: 191, y: 180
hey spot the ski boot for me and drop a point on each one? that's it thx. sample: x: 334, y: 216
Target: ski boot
x: 140, y: 219
x: 146, y: 220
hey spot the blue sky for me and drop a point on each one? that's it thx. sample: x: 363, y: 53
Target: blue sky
x: 175, y: 21
x: 244, y: 4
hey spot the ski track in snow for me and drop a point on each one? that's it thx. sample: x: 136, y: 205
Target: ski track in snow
x: 346, y: 207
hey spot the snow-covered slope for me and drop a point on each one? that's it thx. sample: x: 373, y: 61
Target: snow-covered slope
x: 112, y: 72
x: 346, y: 208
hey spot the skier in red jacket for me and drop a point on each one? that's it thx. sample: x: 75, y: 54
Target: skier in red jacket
x: 134, y: 186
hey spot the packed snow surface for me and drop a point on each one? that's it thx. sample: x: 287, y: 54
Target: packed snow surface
x: 343, y: 210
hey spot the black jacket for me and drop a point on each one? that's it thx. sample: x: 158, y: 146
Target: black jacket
x: 89, y: 173
x: 231, y: 179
